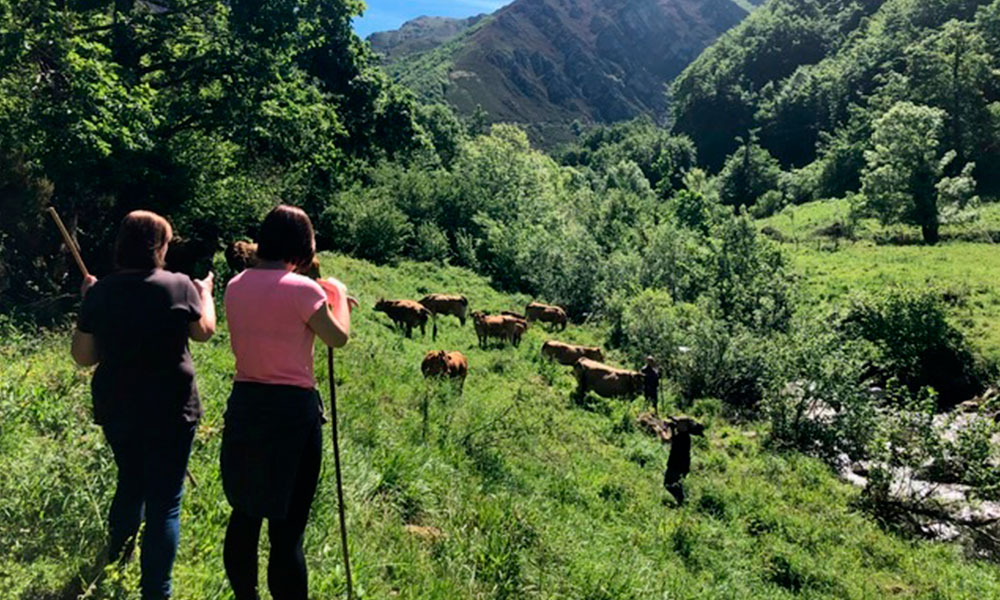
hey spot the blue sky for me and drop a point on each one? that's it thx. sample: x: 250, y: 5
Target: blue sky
x: 383, y: 15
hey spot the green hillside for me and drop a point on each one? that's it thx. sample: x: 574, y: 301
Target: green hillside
x: 833, y: 269
x: 534, y: 495
x: 814, y: 76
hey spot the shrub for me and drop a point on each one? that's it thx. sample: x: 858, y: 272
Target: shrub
x: 819, y: 404
x: 430, y: 244
x: 705, y: 356
x: 770, y: 203
x: 913, y: 342
x: 367, y: 225
x: 653, y: 325
x: 677, y: 260
x: 748, y: 174
x: 750, y: 282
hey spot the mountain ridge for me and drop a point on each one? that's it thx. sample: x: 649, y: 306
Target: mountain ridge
x: 549, y: 64
x: 418, y: 35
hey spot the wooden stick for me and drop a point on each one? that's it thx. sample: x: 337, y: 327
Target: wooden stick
x: 340, y: 487
x: 69, y: 242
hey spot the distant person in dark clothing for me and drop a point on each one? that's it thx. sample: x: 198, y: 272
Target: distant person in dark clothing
x: 134, y: 326
x: 271, y: 443
x: 679, y: 462
x: 651, y: 382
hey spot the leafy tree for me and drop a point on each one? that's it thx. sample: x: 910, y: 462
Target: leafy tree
x: 748, y: 174
x: 951, y: 70
x: 750, y: 281
x: 904, y: 180
x: 694, y: 210
x: 664, y: 158
x: 444, y: 128
x: 204, y: 110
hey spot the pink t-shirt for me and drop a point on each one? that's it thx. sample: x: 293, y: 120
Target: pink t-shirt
x: 267, y: 311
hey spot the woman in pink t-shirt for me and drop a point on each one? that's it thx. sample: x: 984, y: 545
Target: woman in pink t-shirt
x: 271, y: 445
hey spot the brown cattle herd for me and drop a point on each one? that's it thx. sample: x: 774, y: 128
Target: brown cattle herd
x: 507, y: 327
x: 504, y: 328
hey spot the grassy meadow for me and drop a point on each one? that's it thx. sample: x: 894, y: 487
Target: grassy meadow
x: 521, y: 491
x: 963, y: 269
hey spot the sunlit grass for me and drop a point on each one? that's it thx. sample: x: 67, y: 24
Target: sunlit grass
x: 535, y: 496
x: 965, y: 273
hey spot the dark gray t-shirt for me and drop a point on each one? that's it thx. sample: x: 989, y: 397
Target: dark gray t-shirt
x: 141, y: 324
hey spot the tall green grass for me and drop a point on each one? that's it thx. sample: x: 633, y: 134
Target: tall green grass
x: 964, y: 273
x: 536, y: 495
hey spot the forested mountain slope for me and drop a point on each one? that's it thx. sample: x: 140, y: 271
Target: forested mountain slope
x: 814, y: 75
x: 547, y: 63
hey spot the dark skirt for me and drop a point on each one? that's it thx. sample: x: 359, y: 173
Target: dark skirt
x: 266, y: 430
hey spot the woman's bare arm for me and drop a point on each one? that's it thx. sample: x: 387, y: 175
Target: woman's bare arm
x: 203, y: 329
x: 84, y: 346
x: 84, y: 349
x: 333, y: 333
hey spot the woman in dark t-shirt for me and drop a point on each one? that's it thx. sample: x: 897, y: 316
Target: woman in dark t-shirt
x: 134, y: 326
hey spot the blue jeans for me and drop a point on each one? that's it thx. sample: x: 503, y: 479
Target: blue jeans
x: 152, y: 461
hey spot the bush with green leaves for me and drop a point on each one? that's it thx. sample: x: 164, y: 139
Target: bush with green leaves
x: 820, y: 404
x: 706, y: 357
x: 748, y: 174
x: 750, y: 281
x: 367, y: 225
x: 912, y: 341
x: 429, y: 244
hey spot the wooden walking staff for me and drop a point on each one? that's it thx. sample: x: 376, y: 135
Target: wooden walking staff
x: 75, y: 251
x: 336, y: 462
x: 334, y: 293
x: 70, y: 243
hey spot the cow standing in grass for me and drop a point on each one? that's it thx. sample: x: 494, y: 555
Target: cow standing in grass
x: 553, y: 315
x: 406, y: 314
x: 568, y: 354
x: 516, y: 328
x: 489, y: 327
x: 605, y: 381
x: 445, y: 304
x: 507, y: 313
x: 451, y: 365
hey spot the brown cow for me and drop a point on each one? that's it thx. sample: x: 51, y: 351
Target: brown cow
x: 488, y: 326
x: 515, y: 329
x: 554, y: 315
x: 606, y: 381
x: 444, y: 304
x: 242, y: 255
x: 452, y: 365
x: 507, y: 313
x: 568, y: 354
x: 405, y: 313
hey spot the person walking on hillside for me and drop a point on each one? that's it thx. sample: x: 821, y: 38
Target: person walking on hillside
x: 651, y: 383
x: 679, y: 461
x: 134, y: 326
x: 271, y: 444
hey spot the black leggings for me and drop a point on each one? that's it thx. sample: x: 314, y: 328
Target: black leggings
x: 286, y: 567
